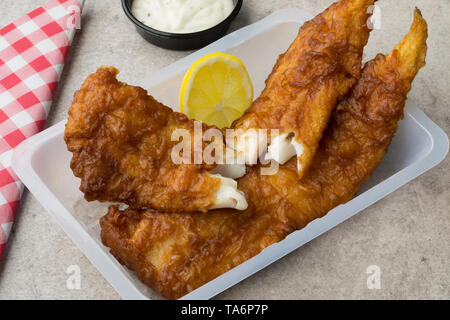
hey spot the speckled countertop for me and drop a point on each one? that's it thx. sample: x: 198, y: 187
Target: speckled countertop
x: 407, y: 234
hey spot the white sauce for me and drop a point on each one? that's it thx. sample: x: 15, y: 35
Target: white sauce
x: 181, y: 16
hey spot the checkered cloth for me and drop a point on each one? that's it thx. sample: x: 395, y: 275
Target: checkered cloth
x: 32, y: 54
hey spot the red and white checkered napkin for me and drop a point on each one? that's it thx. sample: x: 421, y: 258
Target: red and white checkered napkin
x: 32, y: 54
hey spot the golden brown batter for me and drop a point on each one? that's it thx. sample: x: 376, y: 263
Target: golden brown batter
x: 177, y: 253
x: 121, y: 140
x: 318, y: 69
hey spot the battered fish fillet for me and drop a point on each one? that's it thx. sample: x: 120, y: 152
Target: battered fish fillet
x: 177, y: 253
x: 318, y: 69
x: 121, y: 140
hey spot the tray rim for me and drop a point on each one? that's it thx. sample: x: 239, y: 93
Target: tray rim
x: 114, y: 272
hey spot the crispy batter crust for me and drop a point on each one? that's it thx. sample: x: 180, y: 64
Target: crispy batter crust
x: 318, y: 69
x: 176, y: 253
x: 121, y: 142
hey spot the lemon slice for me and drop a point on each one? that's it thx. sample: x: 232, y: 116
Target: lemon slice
x: 216, y: 90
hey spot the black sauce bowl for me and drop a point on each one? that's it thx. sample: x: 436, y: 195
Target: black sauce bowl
x: 182, y: 41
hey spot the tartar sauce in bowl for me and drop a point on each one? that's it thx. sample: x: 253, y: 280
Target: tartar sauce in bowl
x: 181, y: 16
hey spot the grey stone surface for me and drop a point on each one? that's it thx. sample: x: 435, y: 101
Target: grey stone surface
x: 407, y: 234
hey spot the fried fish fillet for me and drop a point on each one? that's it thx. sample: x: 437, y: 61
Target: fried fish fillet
x: 121, y: 140
x: 177, y: 253
x: 318, y: 69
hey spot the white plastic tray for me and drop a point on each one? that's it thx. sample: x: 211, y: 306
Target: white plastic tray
x: 42, y: 162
